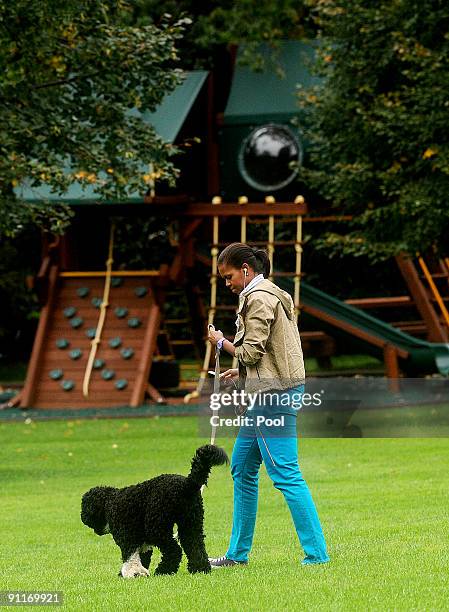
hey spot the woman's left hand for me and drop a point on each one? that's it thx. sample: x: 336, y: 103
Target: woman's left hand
x: 214, y: 336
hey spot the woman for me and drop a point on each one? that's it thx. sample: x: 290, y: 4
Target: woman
x: 268, y: 349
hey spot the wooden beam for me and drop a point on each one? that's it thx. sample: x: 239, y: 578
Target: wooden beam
x: 326, y: 218
x: 189, y: 229
x: 100, y: 274
x: 148, y: 348
x: 436, y: 331
x: 206, y: 209
x: 166, y: 201
x: 381, y: 302
x: 155, y: 395
x: 239, y: 210
x: 351, y: 329
x: 36, y: 354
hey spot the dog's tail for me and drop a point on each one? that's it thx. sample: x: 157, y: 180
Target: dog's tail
x: 205, y: 457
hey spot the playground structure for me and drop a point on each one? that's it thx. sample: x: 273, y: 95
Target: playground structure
x: 100, y: 332
x: 105, y: 333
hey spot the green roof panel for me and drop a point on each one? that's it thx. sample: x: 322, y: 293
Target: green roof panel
x: 267, y: 95
x: 168, y: 120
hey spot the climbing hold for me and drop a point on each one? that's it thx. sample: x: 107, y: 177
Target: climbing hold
x: 76, y: 322
x: 115, y: 342
x: 75, y: 354
x: 90, y: 333
x: 126, y: 353
x: 121, y: 384
x: 82, y: 292
x: 62, y: 343
x: 69, y: 312
x: 141, y: 291
x: 134, y: 322
x: 56, y: 374
x: 98, y: 364
x: 116, y: 281
x: 96, y: 301
x: 107, y: 374
x: 67, y: 385
x: 120, y: 312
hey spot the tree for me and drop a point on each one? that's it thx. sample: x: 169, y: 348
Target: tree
x: 218, y: 23
x: 379, y: 143
x: 70, y: 73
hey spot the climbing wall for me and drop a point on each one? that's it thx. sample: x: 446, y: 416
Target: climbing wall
x: 64, y: 340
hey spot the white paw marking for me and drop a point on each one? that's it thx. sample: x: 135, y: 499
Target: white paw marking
x: 133, y: 567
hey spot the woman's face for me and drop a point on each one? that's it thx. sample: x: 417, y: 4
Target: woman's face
x: 235, y: 277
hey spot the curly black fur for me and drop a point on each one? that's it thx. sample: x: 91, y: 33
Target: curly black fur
x: 143, y: 515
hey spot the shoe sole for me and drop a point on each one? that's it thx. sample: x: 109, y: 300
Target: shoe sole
x: 222, y: 566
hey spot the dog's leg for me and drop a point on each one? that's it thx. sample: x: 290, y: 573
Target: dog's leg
x: 171, y: 557
x: 145, y: 556
x: 132, y: 566
x: 191, y: 538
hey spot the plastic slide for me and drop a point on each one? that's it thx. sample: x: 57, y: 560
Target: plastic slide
x: 342, y: 320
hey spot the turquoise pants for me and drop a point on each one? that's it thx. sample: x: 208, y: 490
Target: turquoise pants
x: 278, y: 448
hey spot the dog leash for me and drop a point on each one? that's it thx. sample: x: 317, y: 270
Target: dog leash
x: 216, y: 382
x: 211, y: 327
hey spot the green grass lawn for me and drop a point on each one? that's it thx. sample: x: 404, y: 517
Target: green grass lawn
x: 383, y: 504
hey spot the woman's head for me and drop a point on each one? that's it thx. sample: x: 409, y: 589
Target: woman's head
x: 239, y: 263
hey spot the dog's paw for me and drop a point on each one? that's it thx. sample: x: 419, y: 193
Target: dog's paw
x: 132, y: 570
x: 141, y: 572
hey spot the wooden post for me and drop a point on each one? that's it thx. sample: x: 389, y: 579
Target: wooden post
x: 298, y: 251
x: 155, y: 395
x: 391, y: 367
x: 149, y: 345
x: 436, y: 332
x: 36, y: 355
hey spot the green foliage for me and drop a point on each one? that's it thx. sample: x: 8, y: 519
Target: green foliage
x: 379, y: 144
x: 142, y: 242
x: 19, y: 258
x: 222, y: 22
x: 70, y: 73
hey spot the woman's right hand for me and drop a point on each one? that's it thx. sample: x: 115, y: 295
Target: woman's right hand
x: 229, y: 375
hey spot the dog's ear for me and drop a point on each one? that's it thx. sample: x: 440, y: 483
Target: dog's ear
x: 93, y: 508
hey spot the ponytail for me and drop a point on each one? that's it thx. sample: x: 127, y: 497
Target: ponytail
x: 238, y: 253
x: 261, y: 256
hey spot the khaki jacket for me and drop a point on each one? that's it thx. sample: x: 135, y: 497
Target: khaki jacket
x: 268, y: 346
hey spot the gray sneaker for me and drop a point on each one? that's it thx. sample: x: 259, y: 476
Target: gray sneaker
x: 225, y: 562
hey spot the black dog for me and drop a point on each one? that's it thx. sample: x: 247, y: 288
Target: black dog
x: 143, y: 515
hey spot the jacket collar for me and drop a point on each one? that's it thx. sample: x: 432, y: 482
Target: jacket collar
x: 255, y: 281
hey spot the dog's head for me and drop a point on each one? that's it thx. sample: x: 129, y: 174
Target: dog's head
x: 93, y: 509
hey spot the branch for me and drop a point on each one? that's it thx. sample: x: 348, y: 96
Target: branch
x: 67, y: 81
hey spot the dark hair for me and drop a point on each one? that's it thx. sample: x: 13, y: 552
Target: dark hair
x: 238, y: 253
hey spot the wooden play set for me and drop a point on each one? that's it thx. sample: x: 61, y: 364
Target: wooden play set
x: 100, y: 331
